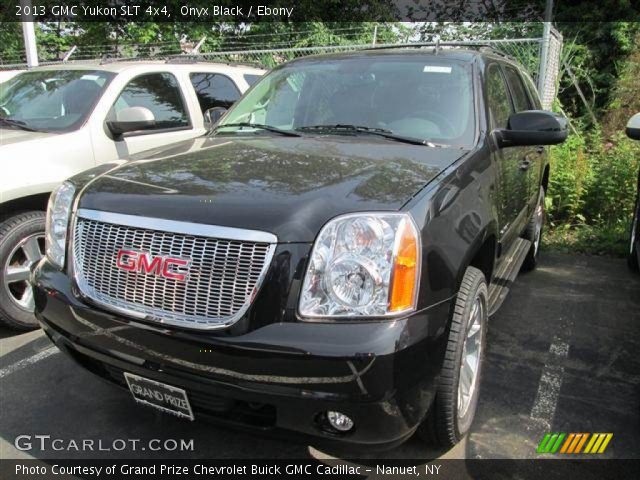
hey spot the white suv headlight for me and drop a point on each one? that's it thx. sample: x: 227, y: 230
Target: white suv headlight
x: 58, y: 213
x: 363, y: 265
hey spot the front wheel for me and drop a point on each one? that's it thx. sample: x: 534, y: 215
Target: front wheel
x: 21, y: 246
x: 456, y: 399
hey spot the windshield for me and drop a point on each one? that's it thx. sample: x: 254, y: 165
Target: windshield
x: 419, y: 96
x: 51, y: 100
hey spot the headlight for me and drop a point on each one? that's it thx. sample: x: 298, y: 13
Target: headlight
x: 363, y: 265
x: 58, y: 214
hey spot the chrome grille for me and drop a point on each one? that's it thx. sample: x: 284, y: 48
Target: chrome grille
x: 223, y: 276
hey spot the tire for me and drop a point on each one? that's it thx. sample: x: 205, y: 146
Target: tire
x: 633, y: 259
x: 452, y: 412
x: 533, y: 233
x: 21, y: 245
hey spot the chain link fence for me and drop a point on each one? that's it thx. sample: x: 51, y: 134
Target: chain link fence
x: 548, y: 87
x: 526, y: 51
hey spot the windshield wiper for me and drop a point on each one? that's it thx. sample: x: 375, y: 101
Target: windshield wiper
x: 381, y: 132
x: 17, y: 124
x: 261, y: 126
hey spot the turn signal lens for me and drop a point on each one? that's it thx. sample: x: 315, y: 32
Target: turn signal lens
x: 405, y: 269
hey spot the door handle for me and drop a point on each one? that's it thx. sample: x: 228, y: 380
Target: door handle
x: 540, y: 149
x: 526, y: 163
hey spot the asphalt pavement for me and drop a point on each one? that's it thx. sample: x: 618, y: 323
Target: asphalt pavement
x: 563, y: 356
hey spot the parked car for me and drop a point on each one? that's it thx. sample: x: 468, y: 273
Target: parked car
x: 57, y: 121
x: 633, y: 131
x: 326, y: 262
x: 6, y: 75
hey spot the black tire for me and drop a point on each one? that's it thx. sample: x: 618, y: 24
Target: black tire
x: 534, y: 235
x: 444, y: 426
x: 13, y: 230
x: 633, y: 259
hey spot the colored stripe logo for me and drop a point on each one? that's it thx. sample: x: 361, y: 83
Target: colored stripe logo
x: 572, y: 443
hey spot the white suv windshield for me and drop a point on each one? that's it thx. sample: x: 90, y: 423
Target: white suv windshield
x: 51, y: 100
x: 420, y: 96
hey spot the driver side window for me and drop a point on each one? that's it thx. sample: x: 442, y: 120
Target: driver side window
x: 498, y: 99
x: 159, y: 93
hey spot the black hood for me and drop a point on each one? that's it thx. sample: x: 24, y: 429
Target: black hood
x: 287, y: 186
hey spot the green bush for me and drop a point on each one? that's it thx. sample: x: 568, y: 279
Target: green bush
x: 592, y: 190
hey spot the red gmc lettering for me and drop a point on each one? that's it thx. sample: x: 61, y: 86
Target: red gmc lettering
x: 133, y: 261
x: 126, y: 260
x: 181, y: 277
x: 154, y: 267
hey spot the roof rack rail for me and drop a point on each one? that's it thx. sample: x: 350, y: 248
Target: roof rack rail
x: 105, y: 59
x: 187, y: 58
x: 499, y: 53
x: 181, y: 59
x: 437, y: 46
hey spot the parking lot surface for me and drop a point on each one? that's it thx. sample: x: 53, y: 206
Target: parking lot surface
x: 562, y: 357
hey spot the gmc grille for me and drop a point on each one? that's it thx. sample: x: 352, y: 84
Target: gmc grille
x: 223, y: 277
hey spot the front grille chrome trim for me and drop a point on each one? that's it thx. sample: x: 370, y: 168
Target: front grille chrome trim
x: 263, y: 242
x: 184, y: 228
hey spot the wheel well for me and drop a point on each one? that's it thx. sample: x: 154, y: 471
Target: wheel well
x: 32, y: 202
x: 545, y: 179
x: 484, y: 258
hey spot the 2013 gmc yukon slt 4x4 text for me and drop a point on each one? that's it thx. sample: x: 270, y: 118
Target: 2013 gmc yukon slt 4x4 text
x: 325, y: 261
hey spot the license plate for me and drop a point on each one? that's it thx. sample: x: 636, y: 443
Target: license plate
x: 158, y: 395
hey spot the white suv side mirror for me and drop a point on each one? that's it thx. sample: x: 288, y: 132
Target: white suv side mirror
x: 131, y: 119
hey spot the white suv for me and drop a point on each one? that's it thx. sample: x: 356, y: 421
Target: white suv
x: 60, y: 120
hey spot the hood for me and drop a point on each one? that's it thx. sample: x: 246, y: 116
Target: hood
x: 9, y: 136
x: 286, y: 186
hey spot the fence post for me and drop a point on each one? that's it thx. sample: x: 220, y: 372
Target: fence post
x: 375, y: 36
x: 544, y: 53
x: 196, y: 49
x: 29, y: 34
x: 69, y: 53
x: 546, y: 39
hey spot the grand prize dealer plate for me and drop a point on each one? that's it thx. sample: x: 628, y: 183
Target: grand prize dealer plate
x: 158, y: 395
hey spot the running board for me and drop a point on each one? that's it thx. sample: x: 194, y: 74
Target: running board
x: 507, y: 273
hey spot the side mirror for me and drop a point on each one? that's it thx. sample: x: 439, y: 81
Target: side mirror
x: 533, y: 127
x: 212, y: 115
x: 633, y: 127
x: 131, y: 119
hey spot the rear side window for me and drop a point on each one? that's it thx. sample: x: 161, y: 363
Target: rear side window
x: 158, y: 92
x: 498, y: 100
x: 214, y: 90
x: 520, y: 98
x: 533, y: 93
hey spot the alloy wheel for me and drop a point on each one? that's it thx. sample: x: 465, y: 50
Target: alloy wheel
x: 539, y: 222
x: 17, y: 270
x: 471, y: 356
x: 634, y: 229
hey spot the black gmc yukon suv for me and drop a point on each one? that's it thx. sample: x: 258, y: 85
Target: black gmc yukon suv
x: 325, y: 261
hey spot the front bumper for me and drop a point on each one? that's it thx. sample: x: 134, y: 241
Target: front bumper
x: 279, y: 378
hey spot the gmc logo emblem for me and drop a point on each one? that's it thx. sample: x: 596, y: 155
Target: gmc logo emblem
x: 166, y: 267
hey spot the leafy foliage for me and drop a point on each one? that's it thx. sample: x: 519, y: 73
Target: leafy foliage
x: 592, y: 190
x: 596, y: 52
x: 594, y: 176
